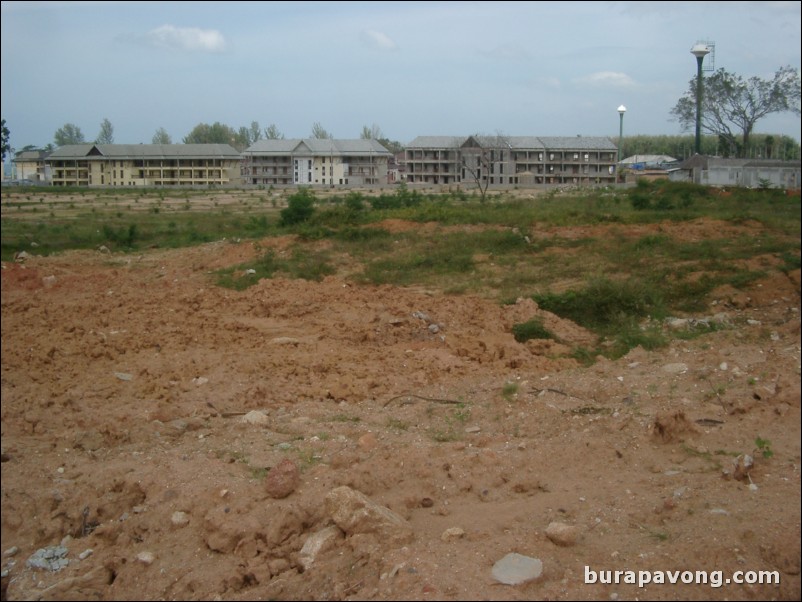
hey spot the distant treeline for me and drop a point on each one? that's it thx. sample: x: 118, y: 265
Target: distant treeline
x: 761, y: 146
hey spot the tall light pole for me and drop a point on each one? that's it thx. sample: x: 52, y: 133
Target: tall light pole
x: 621, y: 110
x: 699, y: 51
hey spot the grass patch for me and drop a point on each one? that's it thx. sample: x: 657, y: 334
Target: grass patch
x: 302, y: 264
x: 504, y: 248
x: 532, y: 329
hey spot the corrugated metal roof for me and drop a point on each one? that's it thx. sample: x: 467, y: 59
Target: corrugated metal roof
x: 145, y: 151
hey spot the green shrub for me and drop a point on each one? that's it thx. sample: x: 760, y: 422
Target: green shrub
x: 300, y: 208
x: 532, y: 329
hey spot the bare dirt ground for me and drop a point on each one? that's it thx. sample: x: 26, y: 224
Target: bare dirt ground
x: 167, y: 439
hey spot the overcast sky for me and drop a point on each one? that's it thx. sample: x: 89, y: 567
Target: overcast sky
x: 412, y: 68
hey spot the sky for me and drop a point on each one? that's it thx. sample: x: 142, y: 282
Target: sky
x: 411, y: 68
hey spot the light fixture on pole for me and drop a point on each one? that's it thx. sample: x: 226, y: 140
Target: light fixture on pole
x: 700, y: 51
x: 621, y: 110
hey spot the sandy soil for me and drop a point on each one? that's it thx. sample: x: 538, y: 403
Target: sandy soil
x: 167, y: 439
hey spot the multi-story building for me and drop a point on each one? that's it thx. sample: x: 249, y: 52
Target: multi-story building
x: 316, y: 162
x: 145, y: 165
x: 511, y: 160
x: 31, y: 166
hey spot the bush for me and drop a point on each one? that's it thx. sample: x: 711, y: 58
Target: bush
x: 300, y: 207
x: 532, y: 329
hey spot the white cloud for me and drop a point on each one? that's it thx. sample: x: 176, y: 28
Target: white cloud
x: 187, y: 38
x: 607, y: 79
x: 377, y: 39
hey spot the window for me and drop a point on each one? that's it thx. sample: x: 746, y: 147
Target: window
x: 576, y: 155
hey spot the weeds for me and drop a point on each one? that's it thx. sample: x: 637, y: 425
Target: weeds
x: 764, y: 447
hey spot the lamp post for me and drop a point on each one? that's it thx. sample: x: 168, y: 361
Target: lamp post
x: 621, y: 110
x: 699, y: 51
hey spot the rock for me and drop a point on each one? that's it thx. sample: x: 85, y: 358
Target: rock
x: 562, y: 534
x: 146, y: 558
x: 123, y: 376
x: 256, y: 417
x: 676, y: 368
x: 452, y: 534
x: 355, y: 513
x: 515, y: 569
x: 317, y: 543
x: 179, y: 519
x: 742, y: 465
x: 282, y: 479
x: 51, y: 558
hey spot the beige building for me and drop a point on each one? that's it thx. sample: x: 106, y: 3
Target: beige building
x: 145, y: 165
x: 31, y: 165
x: 316, y: 162
x: 511, y: 160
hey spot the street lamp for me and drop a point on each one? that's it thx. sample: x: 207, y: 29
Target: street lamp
x: 621, y: 110
x: 699, y: 51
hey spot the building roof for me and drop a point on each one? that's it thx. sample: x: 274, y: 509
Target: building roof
x: 648, y: 159
x: 437, y: 142
x: 31, y: 155
x: 145, y: 151
x: 578, y: 143
x: 317, y: 146
x: 516, y: 142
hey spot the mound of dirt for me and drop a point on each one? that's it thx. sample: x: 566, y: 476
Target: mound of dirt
x: 164, y: 438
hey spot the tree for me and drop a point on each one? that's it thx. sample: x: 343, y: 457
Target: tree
x: 373, y: 132
x: 318, y: 131
x: 162, y: 137
x: 479, y: 155
x: 731, y: 106
x: 255, y: 133
x: 69, y: 133
x: 217, y: 133
x: 5, y: 135
x: 106, y: 135
x: 272, y: 132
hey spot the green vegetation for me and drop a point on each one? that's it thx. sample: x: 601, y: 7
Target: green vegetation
x: 532, y: 329
x: 573, y: 253
x: 764, y: 447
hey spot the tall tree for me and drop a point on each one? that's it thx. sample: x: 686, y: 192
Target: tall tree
x: 318, y: 131
x: 106, y: 135
x: 217, y: 133
x: 69, y: 133
x: 5, y: 134
x: 162, y: 137
x: 272, y: 132
x: 255, y: 132
x: 373, y: 132
x: 731, y: 106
